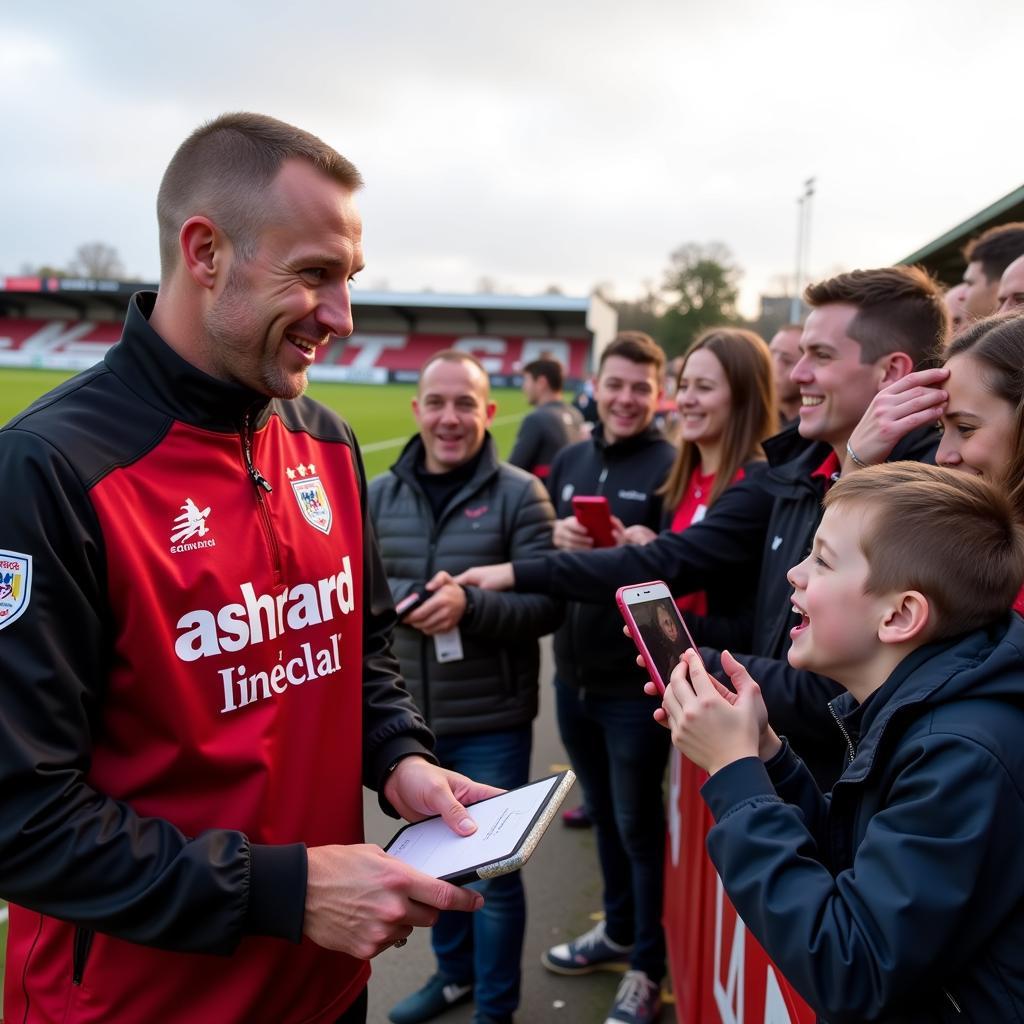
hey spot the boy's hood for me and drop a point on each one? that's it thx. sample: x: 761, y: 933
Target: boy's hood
x: 987, y: 664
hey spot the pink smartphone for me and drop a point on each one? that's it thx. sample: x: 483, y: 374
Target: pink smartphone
x: 656, y: 626
x: 595, y: 517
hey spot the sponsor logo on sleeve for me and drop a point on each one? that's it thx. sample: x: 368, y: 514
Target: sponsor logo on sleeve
x: 312, y: 498
x: 15, y: 585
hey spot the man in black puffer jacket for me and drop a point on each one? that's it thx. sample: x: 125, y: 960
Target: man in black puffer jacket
x: 470, y: 658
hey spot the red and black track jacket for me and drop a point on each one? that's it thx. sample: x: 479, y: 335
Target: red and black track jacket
x: 197, y: 680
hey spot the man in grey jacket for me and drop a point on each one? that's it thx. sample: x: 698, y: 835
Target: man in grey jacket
x: 470, y: 657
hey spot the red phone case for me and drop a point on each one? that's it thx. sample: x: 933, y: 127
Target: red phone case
x: 593, y: 513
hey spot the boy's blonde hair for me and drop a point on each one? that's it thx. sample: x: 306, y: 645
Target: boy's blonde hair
x: 951, y: 536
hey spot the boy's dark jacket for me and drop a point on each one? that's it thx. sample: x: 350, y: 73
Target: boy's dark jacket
x: 899, y: 898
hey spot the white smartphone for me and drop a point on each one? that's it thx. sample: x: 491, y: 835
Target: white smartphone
x: 656, y: 627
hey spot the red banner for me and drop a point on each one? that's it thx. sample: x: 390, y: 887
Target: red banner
x: 719, y: 972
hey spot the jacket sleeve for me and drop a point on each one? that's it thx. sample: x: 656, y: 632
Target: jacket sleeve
x: 392, y: 724
x: 927, y: 888
x: 527, y: 444
x: 728, y: 539
x: 66, y: 849
x: 505, y: 614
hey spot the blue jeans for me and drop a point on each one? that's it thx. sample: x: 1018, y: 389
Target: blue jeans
x: 619, y: 753
x: 486, y: 947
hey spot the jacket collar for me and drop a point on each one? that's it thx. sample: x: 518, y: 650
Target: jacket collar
x: 158, y: 375
x: 982, y: 664
x: 918, y: 446
x: 413, y: 452
x: 626, y: 447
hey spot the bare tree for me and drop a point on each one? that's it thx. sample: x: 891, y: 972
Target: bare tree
x: 98, y: 260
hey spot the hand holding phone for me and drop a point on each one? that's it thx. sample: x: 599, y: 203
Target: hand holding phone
x: 656, y: 627
x: 592, y: 512
x: 412, y: 601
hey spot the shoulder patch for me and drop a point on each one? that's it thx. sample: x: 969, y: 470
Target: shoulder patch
x: 15, y: 585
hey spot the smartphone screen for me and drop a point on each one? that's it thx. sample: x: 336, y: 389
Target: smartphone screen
x: 656, y: 626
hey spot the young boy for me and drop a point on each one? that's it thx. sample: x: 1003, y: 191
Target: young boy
x: 899, y: 897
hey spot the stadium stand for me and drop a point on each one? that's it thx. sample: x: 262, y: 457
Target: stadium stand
x: 61, y: 323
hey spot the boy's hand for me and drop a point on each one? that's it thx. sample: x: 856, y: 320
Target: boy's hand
x: 710, y: 727
x: 768, y: 742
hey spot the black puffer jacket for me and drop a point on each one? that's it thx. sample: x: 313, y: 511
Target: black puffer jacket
x: 500, y: 514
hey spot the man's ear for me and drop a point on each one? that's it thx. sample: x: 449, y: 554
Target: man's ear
x: 492, y: 408
x: 203, y: 248
x: 894, y: 366
x: 906, y: 618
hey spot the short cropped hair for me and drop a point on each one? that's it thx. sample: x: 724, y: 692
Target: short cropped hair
x: 950, y: 535
x: 899, y: 309
x: 549, y: 369
x: 456, y: 355
x: 637, y: 347
x: 224, y: 170
x: 996, y: 249
x: 997, y: 344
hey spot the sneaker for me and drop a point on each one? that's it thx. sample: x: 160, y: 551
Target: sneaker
x: 638, y: 1000
x: 591, y: 951
x: 436, y: 996
x: 576, y: 817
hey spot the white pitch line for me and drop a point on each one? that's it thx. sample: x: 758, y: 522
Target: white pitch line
x: 397, y: 442
x: 3, y: 914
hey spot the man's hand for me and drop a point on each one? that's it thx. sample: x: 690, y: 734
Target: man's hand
x: 418, y: 789
x: 709, y: 727
x: 361, y: 901
x: 571, y: 535
x: 912, y: 401
x: 443, y: 610
x: 488, y: 577
x: 636, y: 534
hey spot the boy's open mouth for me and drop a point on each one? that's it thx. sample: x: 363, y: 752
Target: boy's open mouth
x: 802, y: 624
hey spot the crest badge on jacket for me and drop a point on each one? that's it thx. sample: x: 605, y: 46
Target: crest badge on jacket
x: 15, y: 585
x: 312, y: 498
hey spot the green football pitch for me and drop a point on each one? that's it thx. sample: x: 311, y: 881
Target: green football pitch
x: 380, y: 415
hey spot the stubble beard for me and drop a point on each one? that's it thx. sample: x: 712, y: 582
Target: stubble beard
x: 230, y: 334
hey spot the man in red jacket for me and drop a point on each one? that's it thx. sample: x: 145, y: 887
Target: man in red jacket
x: 197, y: 637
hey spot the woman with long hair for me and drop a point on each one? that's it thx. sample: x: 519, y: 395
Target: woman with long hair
x: 983, y: 419
x: 725, y: 393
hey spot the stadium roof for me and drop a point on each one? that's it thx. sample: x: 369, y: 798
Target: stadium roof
x: 943, y: 257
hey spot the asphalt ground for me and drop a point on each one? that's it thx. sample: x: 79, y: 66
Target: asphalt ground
x: 563, y: 898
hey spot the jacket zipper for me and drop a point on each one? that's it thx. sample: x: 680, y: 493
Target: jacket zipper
x: 850, y: 752
x: 80, y: 953
x: 949, y: 996
x: 262, y: 485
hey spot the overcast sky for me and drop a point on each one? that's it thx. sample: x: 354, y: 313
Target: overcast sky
x: 543, y: 142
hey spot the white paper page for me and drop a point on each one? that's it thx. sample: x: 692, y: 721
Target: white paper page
x: 432, y: 847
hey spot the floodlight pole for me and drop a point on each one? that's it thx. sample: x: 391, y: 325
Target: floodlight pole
x: 803, y: 237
